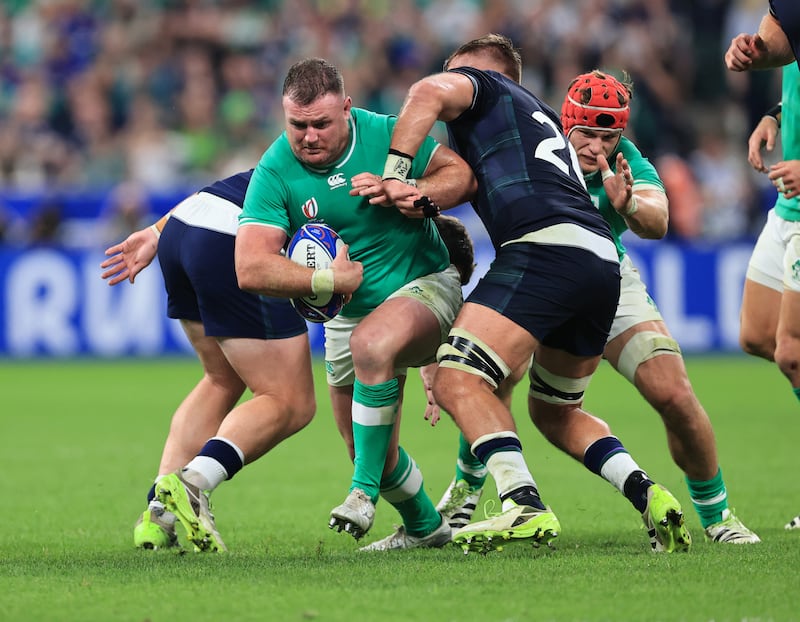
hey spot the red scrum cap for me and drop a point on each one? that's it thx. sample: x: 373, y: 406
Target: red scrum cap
x: 596, y: 100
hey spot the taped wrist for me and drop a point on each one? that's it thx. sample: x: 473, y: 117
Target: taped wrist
x: 632, y: 207
x: 322, y: 282
x: 398, y: 165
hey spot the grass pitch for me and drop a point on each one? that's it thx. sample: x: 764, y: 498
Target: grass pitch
x: 81, y: 441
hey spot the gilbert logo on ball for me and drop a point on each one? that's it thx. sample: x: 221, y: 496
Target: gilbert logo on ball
x: 315, y: 245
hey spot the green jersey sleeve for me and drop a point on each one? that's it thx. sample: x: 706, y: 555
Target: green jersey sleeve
x: 645, y: 176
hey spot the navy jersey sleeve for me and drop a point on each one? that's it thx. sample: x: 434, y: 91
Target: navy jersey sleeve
x: 787, y: 12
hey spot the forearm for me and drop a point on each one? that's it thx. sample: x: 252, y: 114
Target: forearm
x: 449, y: 186
x: 650, y: 217
x: 273, y: 275
x: 778, y: 49
x: 420, y: 111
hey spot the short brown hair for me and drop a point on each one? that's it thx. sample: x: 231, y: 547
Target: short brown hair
x: 459, y: 244
x: 310, y: 79
x: 499, y: 47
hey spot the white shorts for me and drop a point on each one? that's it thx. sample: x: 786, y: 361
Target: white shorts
x: 440, y: 292
x: 775, y: 262
x: 635, y: 305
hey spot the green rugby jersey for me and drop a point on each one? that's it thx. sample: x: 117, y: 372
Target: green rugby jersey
x: 393, y: 249
x: 789, y: 209
x: 645, y: 178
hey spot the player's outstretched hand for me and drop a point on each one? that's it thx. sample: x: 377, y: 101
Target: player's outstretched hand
x: 347, y: 274
x: 129, y: 258
x: 764, y: 136
x: 619, y: 185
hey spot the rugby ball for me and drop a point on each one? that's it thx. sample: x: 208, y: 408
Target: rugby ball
x: 315, y: 245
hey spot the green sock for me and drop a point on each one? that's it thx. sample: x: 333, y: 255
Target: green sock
x: 374, y: 415
x: 709, y: 498
x: 796, y: 392
x: 468, y: 467
x: 404, y: 489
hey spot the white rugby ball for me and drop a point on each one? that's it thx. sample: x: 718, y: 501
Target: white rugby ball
x: 315, y: 245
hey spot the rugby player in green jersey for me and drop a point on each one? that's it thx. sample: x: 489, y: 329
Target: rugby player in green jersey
x: 403, y: 292
x: 771, y: 297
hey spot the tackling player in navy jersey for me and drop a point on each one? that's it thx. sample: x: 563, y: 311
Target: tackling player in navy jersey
x: 550, y: 293
x: 233, y: 332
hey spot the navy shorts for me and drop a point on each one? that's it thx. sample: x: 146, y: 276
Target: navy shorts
x: 566, y: 297
x: 200, y: 279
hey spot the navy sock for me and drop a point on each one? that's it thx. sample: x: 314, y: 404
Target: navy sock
x: 223, y: 453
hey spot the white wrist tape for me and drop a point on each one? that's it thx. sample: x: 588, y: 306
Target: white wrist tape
x: 632, y: 207
x: 155, y: 230
x: 397, y: 167
x: 608, y: 174
x: 322, y: 282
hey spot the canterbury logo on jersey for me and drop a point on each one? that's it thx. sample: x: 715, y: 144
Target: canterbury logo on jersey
x: 336, y: 180
x: 310, y: 208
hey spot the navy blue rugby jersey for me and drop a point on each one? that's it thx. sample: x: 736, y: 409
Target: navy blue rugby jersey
x: 231, y: 188
x: 527, y: 179
x: 787, y: 12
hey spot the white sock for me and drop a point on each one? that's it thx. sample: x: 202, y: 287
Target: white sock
x: 509, y: 471
x: 617, y: 469
x: 205, y: 473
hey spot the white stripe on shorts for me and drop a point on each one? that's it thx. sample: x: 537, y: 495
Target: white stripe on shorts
x: 208, y: 211
x: 569, y: 234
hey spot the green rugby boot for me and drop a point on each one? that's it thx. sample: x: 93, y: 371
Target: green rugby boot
x: 190, y: 505
x: 521, y: 523
x: 155, y: 529
x: 663, y: 518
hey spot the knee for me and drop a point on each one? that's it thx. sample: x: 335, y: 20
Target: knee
x: 544, y: 416
x: 670, y: 399
x: 787, y: 357
x: 448, y: 391
x: 369, y: 349
x: 757, y: 345
x: 300, y: 412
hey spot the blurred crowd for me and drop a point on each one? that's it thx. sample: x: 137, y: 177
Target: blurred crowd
x: 135, y: 98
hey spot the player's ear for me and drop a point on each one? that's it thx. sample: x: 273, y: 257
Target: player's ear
x: 348, y: 104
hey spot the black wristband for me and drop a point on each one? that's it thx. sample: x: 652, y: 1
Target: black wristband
x: 401, y: 154
x: 775, y: 112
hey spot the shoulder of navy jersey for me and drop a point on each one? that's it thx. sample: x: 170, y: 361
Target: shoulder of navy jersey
x: 490, y: 85
x: 231, y: 188
x: 787, y: 12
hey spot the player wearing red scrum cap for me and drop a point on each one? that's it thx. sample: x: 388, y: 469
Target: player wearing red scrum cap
x: 627, y: 190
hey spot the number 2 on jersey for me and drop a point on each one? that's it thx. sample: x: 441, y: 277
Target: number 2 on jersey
x: 546, y: 149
